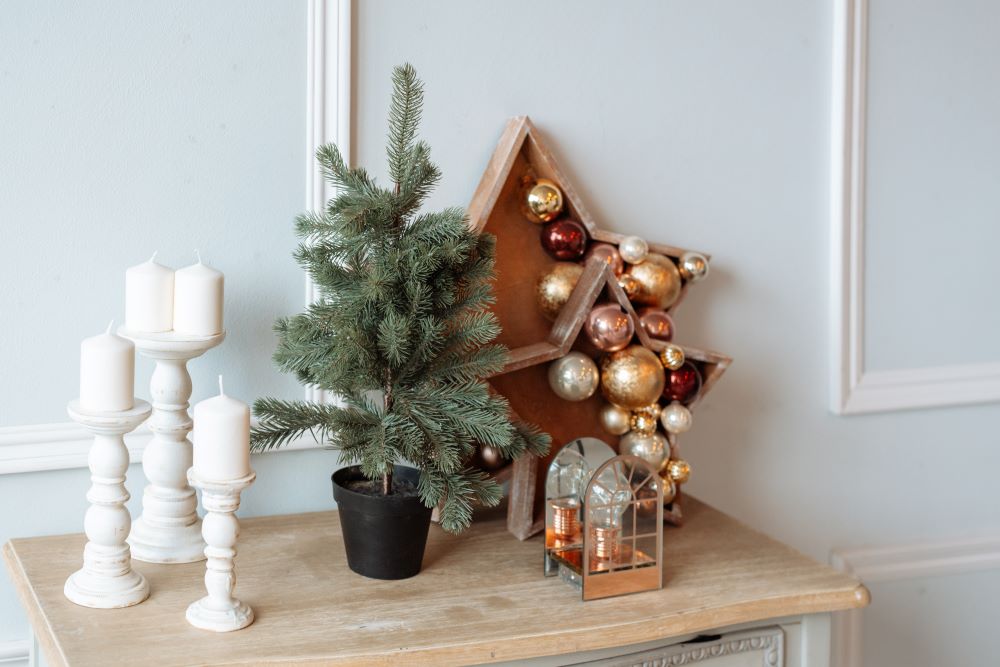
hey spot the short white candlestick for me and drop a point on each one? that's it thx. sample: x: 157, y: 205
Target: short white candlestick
x: 107, y: 580
x: 219, y: 611
x: 168, y: 531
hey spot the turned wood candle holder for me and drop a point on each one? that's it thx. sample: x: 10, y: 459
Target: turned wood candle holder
x: 107, y: 580
x: 219, y: 611
x: 168, y: 530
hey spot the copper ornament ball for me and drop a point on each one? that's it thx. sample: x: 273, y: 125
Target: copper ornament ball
x: 609, y: 328
x: 658, y: 281
x: 656, y: 322
x: 679, y: 471
x: 632, y: 378
x: 554, y: 287
x: 683, y: 384
x: 629, y: 285
x: 608, y: 254
x: 672, y: 356
x: 565, y: 240
x: 543, y: 201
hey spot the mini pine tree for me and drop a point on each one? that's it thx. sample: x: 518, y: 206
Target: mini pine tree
x: 402, y: 332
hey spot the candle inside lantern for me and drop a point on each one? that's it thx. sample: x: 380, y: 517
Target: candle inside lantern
x: 149, y: 297
x: 198, y: 300
x: 107, y: 373
x: 221, y: 438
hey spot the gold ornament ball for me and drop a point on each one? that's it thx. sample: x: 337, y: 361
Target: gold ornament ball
x: 658, y: 281
x: 679, y: 471
x: 676, y: 418
x: 574, y: 377
x: 554, y: 287
x: 669, y: 488
x: 632, y: 378
x: 615, y: 420
x: 544, y: 201
x: 651, y: 410
x: 693, y: 266
x: 642, y: 423
x: 633, y: 249
x: 672, y: 356
x: 629, y: 285
x: 652, y: 448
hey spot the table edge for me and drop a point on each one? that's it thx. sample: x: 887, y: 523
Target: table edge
x: 39, y: 624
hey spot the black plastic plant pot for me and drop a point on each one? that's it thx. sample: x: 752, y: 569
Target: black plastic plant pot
x: 384, y: 535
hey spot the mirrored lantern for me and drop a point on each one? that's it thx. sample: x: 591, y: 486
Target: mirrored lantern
x: 603, y: 521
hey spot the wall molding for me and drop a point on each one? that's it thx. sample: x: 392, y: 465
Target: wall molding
x: 15, y: 653
x: 898, y: 563
x: 855, y: 390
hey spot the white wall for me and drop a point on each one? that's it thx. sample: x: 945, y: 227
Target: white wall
x: 697, y: 124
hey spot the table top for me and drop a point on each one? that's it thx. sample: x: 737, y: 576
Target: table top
x: 480, y: 598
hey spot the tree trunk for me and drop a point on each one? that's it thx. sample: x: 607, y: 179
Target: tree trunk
x: 387, y: 483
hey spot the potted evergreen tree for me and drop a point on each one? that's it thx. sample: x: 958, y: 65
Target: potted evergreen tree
x: 403, y: 335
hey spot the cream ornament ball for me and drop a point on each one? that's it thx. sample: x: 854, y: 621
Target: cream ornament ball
x: 633, y: 249
x: 652, y: 448
x: 676, y: 418
x: 574, y: 377
x: 615, y: 420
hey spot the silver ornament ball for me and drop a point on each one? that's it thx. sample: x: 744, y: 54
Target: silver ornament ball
x: 693, y: 266
x: 676, y: 418
x: 633, y: 249
x: 614, y: 419
x: 574, y: 377
x: 652, y: 448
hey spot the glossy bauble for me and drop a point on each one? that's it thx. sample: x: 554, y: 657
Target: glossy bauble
x: 543, y: 201
x: 574, y: 377
x: 679, y: 471
x: 490, y: 458
x: 672, y: 356
x: 565, y: 240
x: 656, y: 322
x: 633, y: 249
x: 554, y: 287
x: 676, y: 418
x: 682, y: 384
x: 609, y: 328
x: 658, y: 281
x: 642, y: 423
x: 632, y: 378
x: 629, y: 285
x: 652, y: 448
x: 608, y: 254
x: 669, y: 488
x: 614, y: 420
x: 693, y: 266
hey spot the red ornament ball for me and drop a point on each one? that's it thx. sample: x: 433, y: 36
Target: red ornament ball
x: 565, y: 240
x: 683, y: 384
x: 656, y: 322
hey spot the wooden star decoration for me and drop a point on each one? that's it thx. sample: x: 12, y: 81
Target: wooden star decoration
x: 520, y: 158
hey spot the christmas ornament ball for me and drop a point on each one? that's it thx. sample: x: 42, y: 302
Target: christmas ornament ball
x: 574, y: 377
x: 632, y: 378
x: 608, y: 327
x: 656, y: 322
x: 629, y: 285
x: 554, y: 287
x: 544, y: 201
x: 642, y: 423
x: 659, y: 282
x: 676, y: 418
x: 608, y: 254
x: 693, y: 266
x: 669, y: 488
x: 652, y: 448
x: 679, y: 471
x: 615, y: 420
x: 682, y: 384
x: 633, y: 249
x: 565, y: 240
x: 490, y: 458
x: 672, y: 356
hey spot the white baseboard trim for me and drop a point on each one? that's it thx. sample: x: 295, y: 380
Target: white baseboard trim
x: 15, y: 653
x: 902, y: 562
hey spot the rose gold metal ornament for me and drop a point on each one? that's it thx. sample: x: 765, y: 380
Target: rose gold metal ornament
x: 656, y: 322
x: 609, y: 328
x: 608, y: 254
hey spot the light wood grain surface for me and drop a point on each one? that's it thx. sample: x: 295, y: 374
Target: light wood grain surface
x: 480, y: 598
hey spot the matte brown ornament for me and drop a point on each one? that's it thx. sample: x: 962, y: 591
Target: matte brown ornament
x: 609, y: 328
x: 543, y: 201
x: 658, y: 281
x: 565, y: 240
x: 656, y: 322
x: 608, y: 254
x: 632, y: 378
x: 554, y: 287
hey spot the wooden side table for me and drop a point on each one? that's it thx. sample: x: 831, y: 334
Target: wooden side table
x: 733, y: 598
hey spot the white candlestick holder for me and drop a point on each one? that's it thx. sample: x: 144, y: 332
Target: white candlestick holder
x: 168, y: 531
x: 107, y: 580
x: 219, y: 611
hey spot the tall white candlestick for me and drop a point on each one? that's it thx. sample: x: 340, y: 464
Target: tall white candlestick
x: 221, y: 438
x: 149, y: 297
x: 107, y: 373
x: 198, y: 296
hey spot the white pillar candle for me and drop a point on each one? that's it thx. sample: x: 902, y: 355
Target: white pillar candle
x: 221, y: 438
x: 198, y: 300
x: 107, y: 373
x: 149, y: 297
